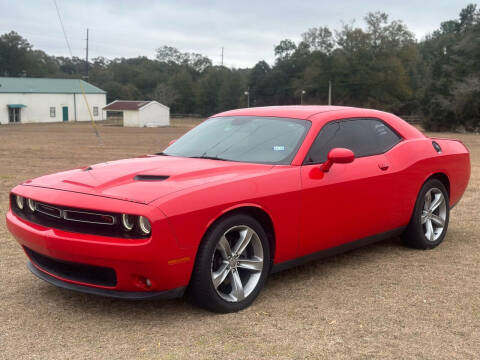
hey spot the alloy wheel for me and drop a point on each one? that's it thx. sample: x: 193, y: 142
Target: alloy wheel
x: 237, y: 263
x: 434, y: 214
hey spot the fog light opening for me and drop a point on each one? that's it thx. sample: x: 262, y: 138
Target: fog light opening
x: 143, y: 282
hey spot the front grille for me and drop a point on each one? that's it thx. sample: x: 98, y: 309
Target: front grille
x: 76, y: 220
x: 88, y: 217
x: 88, y: 274
x: 75, y: 215
x: 49, y: 210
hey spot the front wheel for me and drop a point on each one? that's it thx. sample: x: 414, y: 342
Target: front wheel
x: 429, y: 222
x: 231, y: 266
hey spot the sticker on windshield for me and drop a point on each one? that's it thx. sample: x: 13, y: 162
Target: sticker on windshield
x: 279, y: 148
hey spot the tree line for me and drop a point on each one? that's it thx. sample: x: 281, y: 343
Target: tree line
x: 379, y: 64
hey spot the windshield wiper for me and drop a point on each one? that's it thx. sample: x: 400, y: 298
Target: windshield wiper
x: 208, y: 157
x: 162, y: 154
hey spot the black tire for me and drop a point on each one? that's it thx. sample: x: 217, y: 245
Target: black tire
x: 415, y: 236
x: 201, y: 290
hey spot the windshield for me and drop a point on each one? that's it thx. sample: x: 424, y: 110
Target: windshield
x: 265, y: 140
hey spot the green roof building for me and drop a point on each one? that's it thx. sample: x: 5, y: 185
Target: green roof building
x: 38, y: 100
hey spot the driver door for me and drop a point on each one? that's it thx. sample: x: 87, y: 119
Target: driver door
x: 350, y: 201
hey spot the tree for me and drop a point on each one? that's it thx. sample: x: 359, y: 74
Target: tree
x: 182, y: 84
x: 171, y: 55
x: 165, y: 94
x: 319, y: 39
x: 230, y: 91
x: 257, y: 82
x: 285, y: 49
x: 377, y: 63
x: 468, y: 17
x: 198, y: 62
x: 15, y: 59
x: 207, y: 92
x: 450, y: 101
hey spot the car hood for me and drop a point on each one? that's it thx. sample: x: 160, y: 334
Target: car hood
x: 147, y: 178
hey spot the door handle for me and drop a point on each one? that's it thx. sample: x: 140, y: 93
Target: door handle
x: 383, y: 166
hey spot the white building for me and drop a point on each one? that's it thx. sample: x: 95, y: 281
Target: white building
x: 39, y: 100
x: 141, y: 113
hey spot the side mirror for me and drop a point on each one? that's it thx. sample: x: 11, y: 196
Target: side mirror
x: 171, y: 142
x: 337, y: 156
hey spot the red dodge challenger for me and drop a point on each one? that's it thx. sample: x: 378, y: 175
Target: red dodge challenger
x: 245, y: 193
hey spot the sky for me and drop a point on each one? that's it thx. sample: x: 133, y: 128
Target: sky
x: 248, y: 30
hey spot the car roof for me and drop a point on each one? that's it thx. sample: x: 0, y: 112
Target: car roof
x: 291, y: 111
x: 320, y: 114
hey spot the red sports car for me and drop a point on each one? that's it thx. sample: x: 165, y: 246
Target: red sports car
x: 245, y: 193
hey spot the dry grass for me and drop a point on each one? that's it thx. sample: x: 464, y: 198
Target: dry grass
x: 382, y: 301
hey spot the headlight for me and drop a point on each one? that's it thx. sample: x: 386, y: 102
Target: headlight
x: 31, y: 205
x: 20, y: 201
x: 128, y: 221
x: 144, y: 225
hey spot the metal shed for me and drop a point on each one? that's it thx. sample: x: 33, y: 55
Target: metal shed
x: 141, y: 113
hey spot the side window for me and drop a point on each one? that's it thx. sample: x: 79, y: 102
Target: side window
x: 365, y: 137
x: 385, y: 137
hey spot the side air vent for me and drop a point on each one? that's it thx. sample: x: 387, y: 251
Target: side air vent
x: 150, y: 177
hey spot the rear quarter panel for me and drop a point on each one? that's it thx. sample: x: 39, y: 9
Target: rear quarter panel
x: 457, y: 162
x: 414, y: 161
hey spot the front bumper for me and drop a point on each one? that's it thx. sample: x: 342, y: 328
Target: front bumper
x: 125, y: 295
x: 159, y: 259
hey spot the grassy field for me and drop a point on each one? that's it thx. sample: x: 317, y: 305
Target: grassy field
x: 382, y: 301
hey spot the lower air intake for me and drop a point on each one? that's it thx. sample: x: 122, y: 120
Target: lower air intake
x: 88, y: 274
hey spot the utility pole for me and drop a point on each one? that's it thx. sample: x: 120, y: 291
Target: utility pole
x: 222, y: 55
x: 329, y: 92
x: 86, y: 60
x: 247, y: 94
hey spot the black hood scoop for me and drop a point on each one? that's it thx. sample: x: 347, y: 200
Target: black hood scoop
x: 150, y: 177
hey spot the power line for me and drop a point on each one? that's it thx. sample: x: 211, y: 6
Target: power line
x: 63, y: 28
x: 79, y: 80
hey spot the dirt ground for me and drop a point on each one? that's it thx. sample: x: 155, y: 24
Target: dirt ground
x: 383, y: 301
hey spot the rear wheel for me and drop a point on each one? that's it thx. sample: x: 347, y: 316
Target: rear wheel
x: 429, y: 222
x: 231, y: 266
